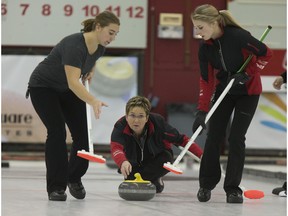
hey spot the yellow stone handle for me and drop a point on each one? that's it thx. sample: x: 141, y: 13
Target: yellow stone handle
x: 138, y: 179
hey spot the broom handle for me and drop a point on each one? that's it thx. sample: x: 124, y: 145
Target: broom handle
x: 89, y: 122
x: 267, y: 30
x: 195, y: 135
x: 219, y: 100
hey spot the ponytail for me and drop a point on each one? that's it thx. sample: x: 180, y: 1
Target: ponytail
x: 89, y: 25
x: 227, y: 19
x: 103, y: 19
x: 208, y: 13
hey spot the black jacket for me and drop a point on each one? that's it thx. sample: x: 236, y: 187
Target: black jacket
x: 160, y: 136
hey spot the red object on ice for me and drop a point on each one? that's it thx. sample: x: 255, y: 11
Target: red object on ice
x: 172, y: 168
x: 254, y: 194
x: 91, y: 157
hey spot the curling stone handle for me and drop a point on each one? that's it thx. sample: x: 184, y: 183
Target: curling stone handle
x: 138, y: 179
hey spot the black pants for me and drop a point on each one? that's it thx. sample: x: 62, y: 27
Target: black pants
x: 210, y: 172
x: 152, y: 169
x: 55, y: 110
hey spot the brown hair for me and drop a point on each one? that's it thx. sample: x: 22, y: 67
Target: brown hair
x: 208, y: 13
x: 138, y: 101
x: 103, y: 19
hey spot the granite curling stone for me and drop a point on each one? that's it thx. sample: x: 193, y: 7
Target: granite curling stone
x: 137, y: 190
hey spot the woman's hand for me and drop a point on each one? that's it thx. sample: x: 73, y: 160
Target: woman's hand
x: 97, y: 107
x: 278, y: 82
x: 126, y: 168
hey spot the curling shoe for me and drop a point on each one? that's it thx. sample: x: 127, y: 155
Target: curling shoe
x: 159, y: 185
x: 203, y: 195
x: 77, y: 190
x: 58, y: 195
x: 234, y: 197
x: 281, y: 191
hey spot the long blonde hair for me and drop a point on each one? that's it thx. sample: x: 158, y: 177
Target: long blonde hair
x: 208, y: 13
x: 103, y: 19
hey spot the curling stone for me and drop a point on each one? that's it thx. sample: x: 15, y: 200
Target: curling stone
x: 114, y: 76
x: 137, y: 190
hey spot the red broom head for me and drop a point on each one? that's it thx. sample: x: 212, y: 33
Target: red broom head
x: 172, y: 168
x: 254, y: 194
x: 91, y: 157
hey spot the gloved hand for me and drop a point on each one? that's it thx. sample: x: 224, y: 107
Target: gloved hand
x: 200, y: 120
x: 240, y: 78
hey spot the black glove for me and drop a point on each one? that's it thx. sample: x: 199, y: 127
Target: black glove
x: 200, y: 120
x: 240, y: 78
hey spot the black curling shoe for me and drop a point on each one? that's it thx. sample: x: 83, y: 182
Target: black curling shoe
x: 159, y: 185
x: 235, y: 197
x: 58, y: 195
x: 203, y: 195
x: 77, y: 190
x: 281, y: 191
